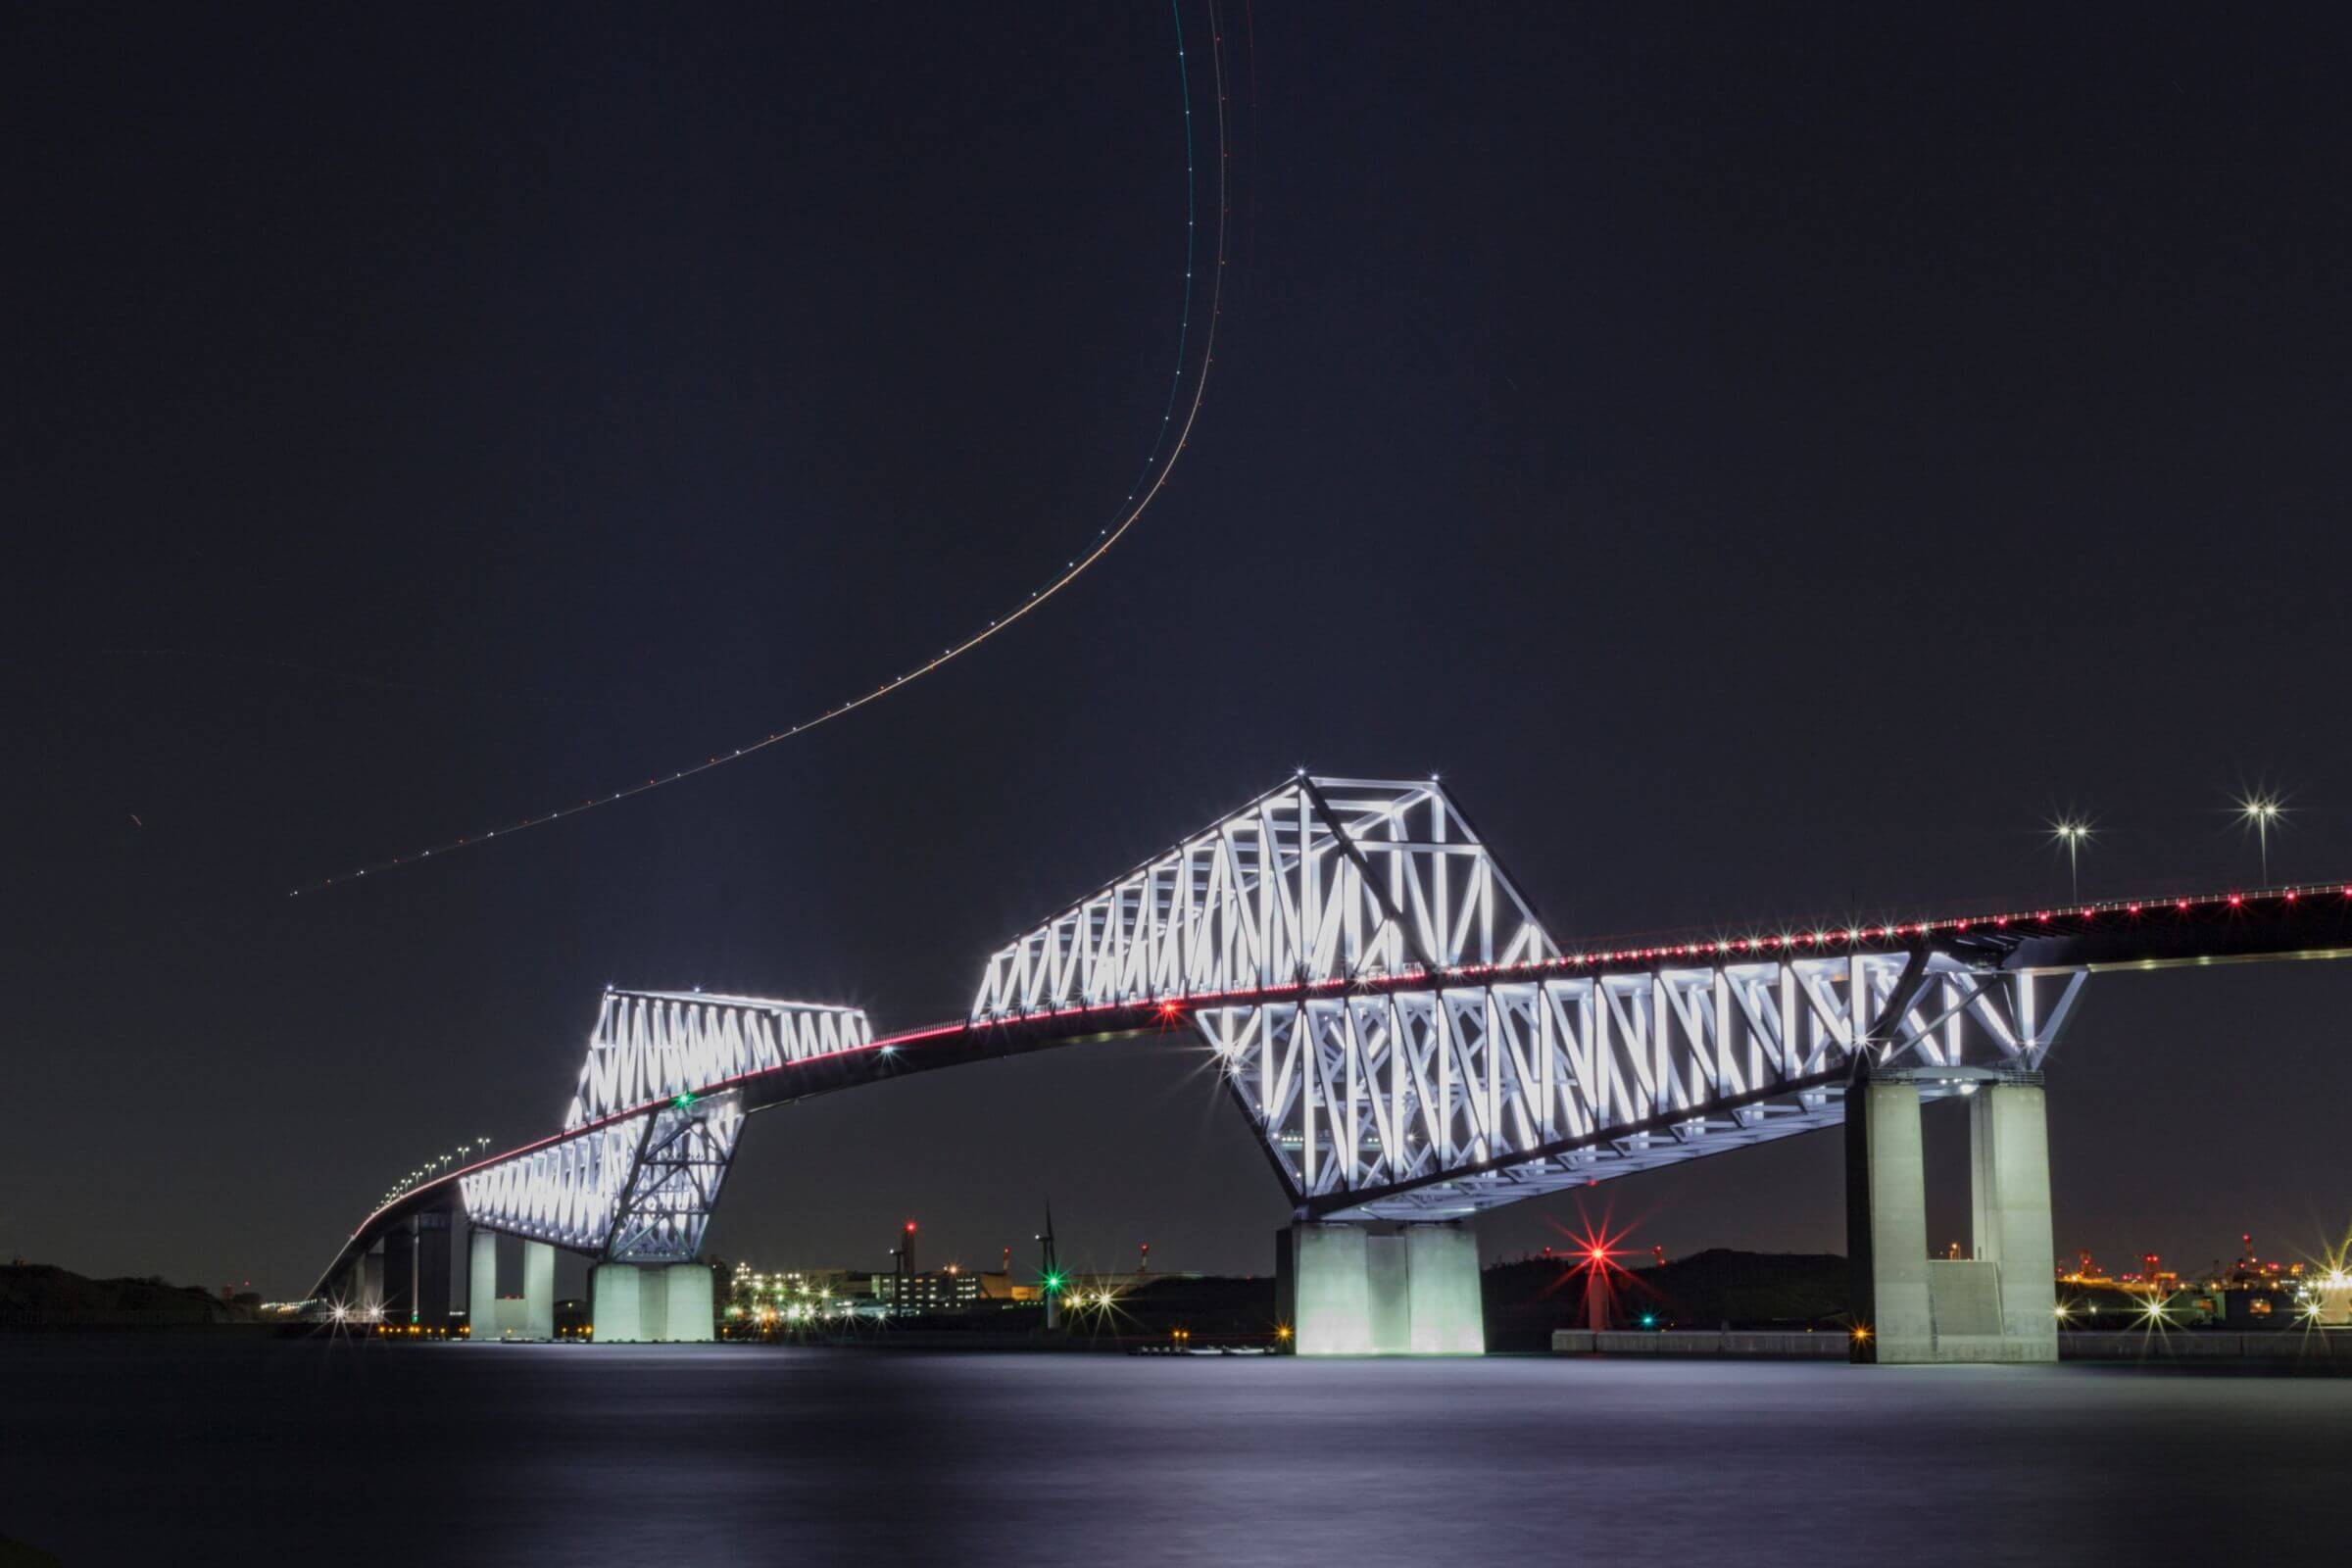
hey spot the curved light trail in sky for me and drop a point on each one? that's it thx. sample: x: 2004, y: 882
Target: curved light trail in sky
x: 1150, y: 482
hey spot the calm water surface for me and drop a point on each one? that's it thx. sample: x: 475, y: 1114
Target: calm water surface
x: 123, y: 1450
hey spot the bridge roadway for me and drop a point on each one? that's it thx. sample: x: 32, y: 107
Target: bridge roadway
x: 2301, y: 921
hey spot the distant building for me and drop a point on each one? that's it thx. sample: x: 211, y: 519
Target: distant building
x: 997, y: 1288
x: 756, y: 1298
x: 760, y: 1302
x: 929, y: 1291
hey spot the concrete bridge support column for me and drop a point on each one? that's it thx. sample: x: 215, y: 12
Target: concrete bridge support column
x: 1999, y: 1305
x: 529, y: 1316
x: 399, y: 1292
x: 1887, y: 1223
x: 1322, y: 1288
x: 433, y: 1241
x: 1448, y: 1302
x: 360, y: 1291
x: 616, y: 1304
x: 538, y: 1291
x: 651, y: 1302
x: 692, y: 1312
x: 481, y: 1284
x: 2009, y: 1138
x: 1346, y: 1289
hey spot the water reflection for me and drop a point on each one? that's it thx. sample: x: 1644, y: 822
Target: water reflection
x: 561, y: 1454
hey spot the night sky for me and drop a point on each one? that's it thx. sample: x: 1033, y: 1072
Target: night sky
x: 1769, y: 460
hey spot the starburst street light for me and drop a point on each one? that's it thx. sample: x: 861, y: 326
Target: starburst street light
x: 2265, y: 812
x: 2074, y: 835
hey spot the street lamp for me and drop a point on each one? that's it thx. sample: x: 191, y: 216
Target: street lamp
x: 2074, y: 835
x: 2264, y: 813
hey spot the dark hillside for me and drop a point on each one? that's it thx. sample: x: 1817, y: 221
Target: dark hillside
x: 44, y: 1296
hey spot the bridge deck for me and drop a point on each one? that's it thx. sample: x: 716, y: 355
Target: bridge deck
x: 2303, y: 922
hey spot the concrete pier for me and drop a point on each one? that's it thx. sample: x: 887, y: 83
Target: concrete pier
x: 481, y: 1284
x: 363, y: 1285
x: 2009, y: 1189
x: 398, y: 1291
x: 1447, y: 1313
x: 525, y: 1317
x: 538, y: 1291
x: 651, y: 1303
x: 1998, y: 1305
x: 1347, y: 1290
x: 433, y: 1240
x: 1887, y: 1222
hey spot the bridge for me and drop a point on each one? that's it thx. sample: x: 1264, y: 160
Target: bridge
x: 1412, y: 1048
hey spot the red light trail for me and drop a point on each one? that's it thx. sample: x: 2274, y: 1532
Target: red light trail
x: 1152, y: 478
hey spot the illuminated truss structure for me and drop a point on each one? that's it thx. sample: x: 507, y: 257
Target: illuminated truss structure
x: 565, y: 1191
x: 637, y: 1189
x: 1411, y: 1044
x: 652, y: 1045
x: 1405, y: 1036
x: 653, y: 1125
x: 1318, y: 879
x: 666, y: 1206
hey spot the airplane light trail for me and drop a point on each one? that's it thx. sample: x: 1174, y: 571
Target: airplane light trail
x: 1150, y: 482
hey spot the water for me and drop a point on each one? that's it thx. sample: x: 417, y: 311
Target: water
x: 126, y: 1449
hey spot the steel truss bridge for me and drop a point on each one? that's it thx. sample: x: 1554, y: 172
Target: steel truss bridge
x: 1407, y: 1039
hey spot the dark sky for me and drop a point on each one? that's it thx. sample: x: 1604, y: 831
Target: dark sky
x: 1768, y: 458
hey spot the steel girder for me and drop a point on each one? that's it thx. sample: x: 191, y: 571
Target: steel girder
x: 1379, y: 1098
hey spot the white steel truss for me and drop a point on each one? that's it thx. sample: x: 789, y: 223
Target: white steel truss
x: 1444, y: 1102
x: 1320, y: 879
x: 637, y: 1189
x: 1435, y: 1052
x: 666, y: 1206
x: 565, y: 1191
x: 652, y: 1045
x: 653, y: 1124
